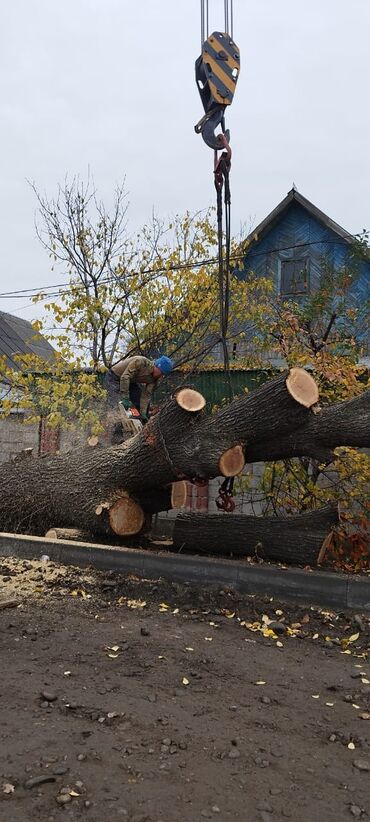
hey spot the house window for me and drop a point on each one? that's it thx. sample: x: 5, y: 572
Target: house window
x: 294, y: 277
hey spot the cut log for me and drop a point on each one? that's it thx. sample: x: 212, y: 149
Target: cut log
x: 126, y: 517
x: 295, y: 540
x: 189, y: 399
x: 232, y: 461
x: 302, y: 387
x: 179, y: 493
x: 74, y: 534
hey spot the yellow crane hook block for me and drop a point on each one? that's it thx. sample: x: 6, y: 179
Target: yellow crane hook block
x: 216, y: 73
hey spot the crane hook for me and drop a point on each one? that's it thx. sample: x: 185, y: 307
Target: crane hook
x: 207, y: 126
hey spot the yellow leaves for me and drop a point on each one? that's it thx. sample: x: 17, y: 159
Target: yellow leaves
x: 37, y: 325
x: 185, y: 681
x: 264, y: 629
x: 79, y: 592
x: 347, y: 641
x: 132, y: 603
x: 163, y: 607
x: 268, y: 632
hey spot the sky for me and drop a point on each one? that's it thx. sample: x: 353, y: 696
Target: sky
x: 108, y: 85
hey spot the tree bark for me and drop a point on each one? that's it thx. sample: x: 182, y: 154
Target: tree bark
x: 293, y: 540
x: 346, y: 423
x: 80, y: 488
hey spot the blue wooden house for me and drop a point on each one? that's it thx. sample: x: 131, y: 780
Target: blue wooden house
x: 295, y: 244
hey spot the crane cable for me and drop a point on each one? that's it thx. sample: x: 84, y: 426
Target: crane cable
x: 222, y: 184
x: 222, y: 166
x: 204, y: 21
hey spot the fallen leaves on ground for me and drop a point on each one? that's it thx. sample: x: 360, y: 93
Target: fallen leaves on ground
x: 79, y: 592
x: 132, y: 603
x: 8, y: 788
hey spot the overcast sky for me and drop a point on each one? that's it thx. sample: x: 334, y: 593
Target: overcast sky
x: 109, y: 84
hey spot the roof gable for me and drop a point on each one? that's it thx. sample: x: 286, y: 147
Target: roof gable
x: 294, y: 197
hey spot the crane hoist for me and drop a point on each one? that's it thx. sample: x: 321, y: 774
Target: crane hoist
x: 216, y: 73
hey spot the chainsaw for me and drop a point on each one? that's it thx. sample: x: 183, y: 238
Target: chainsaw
x: 131, y: 418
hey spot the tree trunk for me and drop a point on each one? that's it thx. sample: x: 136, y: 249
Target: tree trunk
x: 346, y: 423
x: 293, y: 540
x: 113, y: 490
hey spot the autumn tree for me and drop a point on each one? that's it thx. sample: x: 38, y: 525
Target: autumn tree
x: 324, y: 332
x: 151, y: 292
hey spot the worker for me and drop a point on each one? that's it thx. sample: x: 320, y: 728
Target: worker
x: 133, y: 379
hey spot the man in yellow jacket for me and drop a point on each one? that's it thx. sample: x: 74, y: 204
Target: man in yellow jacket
x: 133, y: 379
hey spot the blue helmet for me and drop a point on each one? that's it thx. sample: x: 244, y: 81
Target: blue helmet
x: 164, y: 364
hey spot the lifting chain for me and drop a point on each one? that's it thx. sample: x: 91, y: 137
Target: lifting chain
x: 225, y: 501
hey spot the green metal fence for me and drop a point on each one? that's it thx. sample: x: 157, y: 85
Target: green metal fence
x: 214, y: 384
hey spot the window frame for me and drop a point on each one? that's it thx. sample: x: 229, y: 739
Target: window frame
x: 305, y: 291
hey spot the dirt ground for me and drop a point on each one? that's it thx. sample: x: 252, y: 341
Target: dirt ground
x: 150, y: 702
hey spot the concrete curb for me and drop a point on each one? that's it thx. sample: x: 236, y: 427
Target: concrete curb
x: 306, y: 587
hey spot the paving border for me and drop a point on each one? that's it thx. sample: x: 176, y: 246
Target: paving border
x: 293, y: 584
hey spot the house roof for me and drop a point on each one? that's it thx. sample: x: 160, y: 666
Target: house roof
x: 294, y: 196
x: 18, y: 337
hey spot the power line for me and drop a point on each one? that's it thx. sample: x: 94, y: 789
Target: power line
x: 22, y: 294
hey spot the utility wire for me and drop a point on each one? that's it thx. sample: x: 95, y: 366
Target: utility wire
x: 22, y: 293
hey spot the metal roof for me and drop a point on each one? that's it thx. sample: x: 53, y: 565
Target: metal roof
x: 18, y: 337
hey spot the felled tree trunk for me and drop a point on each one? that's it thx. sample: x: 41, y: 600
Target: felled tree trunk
x: 106, y: 491
x: 293, y: 540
